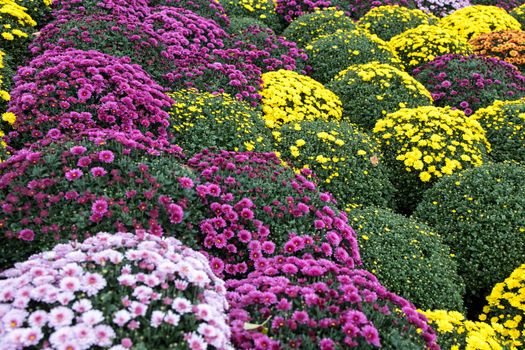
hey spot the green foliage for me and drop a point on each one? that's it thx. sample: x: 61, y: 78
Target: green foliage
x: 262, y: 10
x: 408, y: 257
x: 239, y: 24
x: 481, y: 215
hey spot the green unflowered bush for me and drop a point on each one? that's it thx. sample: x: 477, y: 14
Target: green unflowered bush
x: 332, y: 53
x: 370, y: 91
x: 204, y: 120
x: 481, y: 215
x: 307, y: 28
x: 346, y: 160
x: 504, y: 122
x: 390, y: 20
x: 240, y: 24
x: 408, y: 257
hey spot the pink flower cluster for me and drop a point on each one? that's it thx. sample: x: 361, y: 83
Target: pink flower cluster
x: 259, y: 209
x: 291, y: 9
x: 204, y: 8
x: 69, y: 91
x: 133, y: 9
x: 105, y: 291
x: 302, y: 302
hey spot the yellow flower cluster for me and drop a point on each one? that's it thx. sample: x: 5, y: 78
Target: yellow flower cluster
x: 370, y: 91
x: 288, y: 96
x: 426, y: 42
x: 461, y: 334
x: 471, y: 21
x: 504, y: 122
x: 254, y: 8
x: 216, y: 120
x: 13, y: 19
x: 390, y: 20
x: 4, y: 94
x: 506, y: 307
x: 519, y: 14
x: 433, y: 141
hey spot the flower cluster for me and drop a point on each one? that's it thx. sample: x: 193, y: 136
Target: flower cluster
x: 211, y: 9
x: 455, y: 332
x: 292, y: 9
x: 389, y: 21
x: 306, y: 303
x: 485, y: 237
x: 268, y: 51
x: 109, y: 34
x: 470, y: 82
x: 504, y: 122
x: 102, y: 180
x: 519, y: 14
x: 39, y: 10
x: 370, y: 91
x: 442, y: 7
x: 6, y: 74
x: 114, y: 291
x: 472, y: 21
x: 307, y: 28
x: 288, y: 96
x: 16, y: 28
x: 263, y: 10
x: 346, y: 161
x: 259, y: 209
x: 136, y: 10
x: 332, y: 53
x: 423, y: 144
x: 508, y: 45
x: 68, y: 91
x: 204, y: 120
x: 505, y: 306
x: 396, y: 250
x: 426, y: 42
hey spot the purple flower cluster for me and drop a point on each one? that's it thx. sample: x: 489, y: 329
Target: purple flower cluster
x: 103, y: 180
x: 506, y: 4
x: 258, y: 209
x: 300, y: 301
x: 291, y: 9
x: 270, y: 52
x: 66, y: 92
x: 442, y: 8
x: 59, y: 299
x: 133, y: 9
x: 470, y: 82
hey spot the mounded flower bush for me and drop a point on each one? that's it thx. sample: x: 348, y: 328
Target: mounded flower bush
x: 110, y: 34
x: 454, y: 331
x: 508, y: 45
x: 426, y: 42
x: 17, y: 30
x: 134, y: 9
x: 505, y: 4
x: 114, y: 290
x: 211, y: 9
x: 268, y: 51
x: 239, y: 24
x: 470, y: 82
x: 504, y: 122
x: 358, y: 8
x: 426, y: 143
x: 442, y: 8
x: 39, y: 10
x: 66, y: 92
x: 505, y: 307
x: 260, y: 209
x: 332, y: 53
x: 409, y: 258
x: 370, y: 91
x: 472, y: 21
x: 202, y: 120
x: 288, y: 96
x: 390, y: 20
x: 479, y: 213
x: 308, y: 27
x: 306, y: 303
x: 519, y: 14
x: 346, y: 161
x: 104, y: 181
x: 263, y: 10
